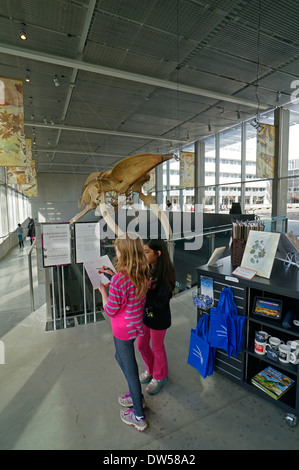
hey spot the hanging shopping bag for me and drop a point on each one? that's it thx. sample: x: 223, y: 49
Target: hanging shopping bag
x: 240, y: 325
x: 236, y: 338
x: 218, y: 327
x: 201, y: 355
x: 225, y: 328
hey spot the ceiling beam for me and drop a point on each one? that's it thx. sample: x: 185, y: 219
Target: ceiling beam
x: 77, y: 152
x: 63, y: 127
x: 94, y: 68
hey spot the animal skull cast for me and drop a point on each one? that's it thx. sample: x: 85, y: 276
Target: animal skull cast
x: 125, y: 178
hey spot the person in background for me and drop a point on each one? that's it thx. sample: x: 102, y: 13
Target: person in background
x: 168, y: 205
x: 157, y: 315
x: 19, y: 231
x: 124, y: 306
x: 31, y: 231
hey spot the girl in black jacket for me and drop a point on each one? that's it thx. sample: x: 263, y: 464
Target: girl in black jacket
x: 157, y: 315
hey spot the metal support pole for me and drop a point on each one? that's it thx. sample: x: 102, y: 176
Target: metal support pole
x: 53, y: 298
x: 63, y: 297
x: 31, y: 290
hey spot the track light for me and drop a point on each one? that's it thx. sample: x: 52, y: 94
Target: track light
x: 256, y: 124
x: 55, y: 80
x: 277, y: 99
x: 27, y: 77
x: 22, y: 32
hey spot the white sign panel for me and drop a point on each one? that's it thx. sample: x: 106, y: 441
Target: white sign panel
x: 56, y: 244
x: 88, y: 244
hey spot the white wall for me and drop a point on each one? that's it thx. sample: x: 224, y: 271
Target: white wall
x: 58, y: 197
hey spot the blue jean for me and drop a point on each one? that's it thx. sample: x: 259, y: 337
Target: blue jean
x: 125, y: 356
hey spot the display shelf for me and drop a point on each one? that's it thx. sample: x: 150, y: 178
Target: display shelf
x: 283, y: 285
x: 256, y: 364
x: 274, y: 324
x: 288, y: 368
x: 287, y: 401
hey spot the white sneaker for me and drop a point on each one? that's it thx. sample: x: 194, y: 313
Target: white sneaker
x: 155, y: 386
x: 145, y: 377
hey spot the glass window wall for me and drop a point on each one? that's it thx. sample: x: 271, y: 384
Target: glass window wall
x: 14, y: 206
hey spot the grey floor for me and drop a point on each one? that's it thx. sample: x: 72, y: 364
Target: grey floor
x: 59, y: 389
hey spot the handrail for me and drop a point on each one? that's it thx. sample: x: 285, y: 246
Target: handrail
x: 31, y: 290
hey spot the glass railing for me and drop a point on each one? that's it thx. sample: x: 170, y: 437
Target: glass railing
x: 186, y: 261
x: 71, y: 299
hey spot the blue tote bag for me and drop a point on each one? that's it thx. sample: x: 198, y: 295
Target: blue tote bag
x: 201, y: 354
x: 226, y: 328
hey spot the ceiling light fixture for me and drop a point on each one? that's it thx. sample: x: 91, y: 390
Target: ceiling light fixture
x: 27, y: 77
x: 257, y: 125
x: 277, y: 99
x: 55, y: 80
x: 22, y: 33
x: 256, y: 122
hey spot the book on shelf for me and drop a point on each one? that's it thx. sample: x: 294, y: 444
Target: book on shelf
x: 272, y: 382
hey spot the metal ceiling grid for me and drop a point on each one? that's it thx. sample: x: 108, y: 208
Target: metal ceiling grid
x: 167, y: 69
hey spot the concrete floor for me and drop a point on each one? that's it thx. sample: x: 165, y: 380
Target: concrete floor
x: 59, y: 389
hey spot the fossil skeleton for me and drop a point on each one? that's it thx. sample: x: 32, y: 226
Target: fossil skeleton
x: 118, y: 185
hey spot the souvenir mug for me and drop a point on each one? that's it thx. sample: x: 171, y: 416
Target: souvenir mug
x: 275, y: 342
x: 260, y: 348
x: 261, y: 336
x: 294, y: 359
x: 294, y: 344
x: 285, y: 355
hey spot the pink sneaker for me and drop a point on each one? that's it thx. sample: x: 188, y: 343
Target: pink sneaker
x: 126, y: 400
x: 128, y: 417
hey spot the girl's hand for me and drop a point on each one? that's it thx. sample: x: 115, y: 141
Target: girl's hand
x: 102, y: 289
x: 106, y: 270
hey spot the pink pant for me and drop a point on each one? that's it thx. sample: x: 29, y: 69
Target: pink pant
x: 154, y: 356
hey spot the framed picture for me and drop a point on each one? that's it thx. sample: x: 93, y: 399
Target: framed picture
x: 215, y: 256
x: 270, y: 308
x: 260, y: 252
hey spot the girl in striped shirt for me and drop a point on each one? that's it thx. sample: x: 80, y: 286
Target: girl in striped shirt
x: 124, y: 306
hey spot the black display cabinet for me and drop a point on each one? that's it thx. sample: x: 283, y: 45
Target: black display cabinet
x: 283, y: 286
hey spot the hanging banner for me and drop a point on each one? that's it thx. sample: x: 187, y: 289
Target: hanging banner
x: 187, y: 170
x: 265, y: 147
x: 12, y: 137
x: 31, y: 188
x: 21, y: 174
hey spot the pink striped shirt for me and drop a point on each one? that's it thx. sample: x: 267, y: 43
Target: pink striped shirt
x: 124, y: 308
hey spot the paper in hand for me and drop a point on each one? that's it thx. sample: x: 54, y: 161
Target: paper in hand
x: 94, y: 270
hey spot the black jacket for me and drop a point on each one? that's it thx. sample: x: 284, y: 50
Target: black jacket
x: 156, y: 313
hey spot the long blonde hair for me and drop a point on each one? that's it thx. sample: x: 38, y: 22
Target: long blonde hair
x: 132, y: 261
